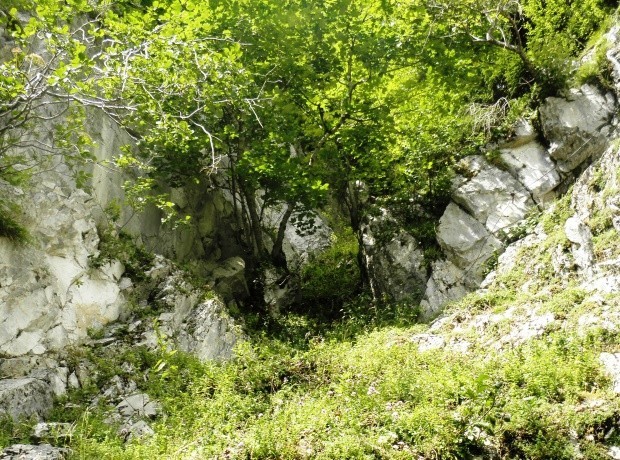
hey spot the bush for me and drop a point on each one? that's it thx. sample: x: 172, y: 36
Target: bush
x: 121, y: 247
x: 331, y: 277
x: 9, y: 227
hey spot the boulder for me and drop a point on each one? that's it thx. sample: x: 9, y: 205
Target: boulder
x: 532, y: 166
x: 575, y: 125
x: 138, y: 430
x: 524, y: 133
x: 613, y: 54
x: 229, y: 279
x: 195, y: 319
x: 466, y: 242
x: 208, y: 332
x: 396, y: 267
x: 49, y: 294
x: 491, y: 195
x: 139, y: 405
x: 25, y: 397
x: 52, y: 431
x: 299, y: 241
x: 580, y: 236
x: 28, y: 452
x: 447, y: 283
x: 611, y: 363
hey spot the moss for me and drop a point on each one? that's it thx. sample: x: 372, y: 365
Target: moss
x: 555, y: 218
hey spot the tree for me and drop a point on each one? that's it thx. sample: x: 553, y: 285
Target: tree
x: 544, y: 34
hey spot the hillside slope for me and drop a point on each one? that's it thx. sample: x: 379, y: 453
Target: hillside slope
x: 528, y: 367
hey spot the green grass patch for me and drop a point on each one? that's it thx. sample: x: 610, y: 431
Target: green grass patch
x: 373, y: 396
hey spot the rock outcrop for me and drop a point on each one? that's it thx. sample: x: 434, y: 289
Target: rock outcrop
x: 395, y: 262
x: 490, y: 202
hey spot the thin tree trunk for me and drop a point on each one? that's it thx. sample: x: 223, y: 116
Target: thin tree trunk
x: 277, y: 254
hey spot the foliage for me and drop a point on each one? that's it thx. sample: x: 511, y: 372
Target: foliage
x: 330, y: 277
x: 342, y: 399
x: 10, y: 227
x: 121, y: 247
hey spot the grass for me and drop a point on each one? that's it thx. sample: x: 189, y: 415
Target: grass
x: 373, y: 397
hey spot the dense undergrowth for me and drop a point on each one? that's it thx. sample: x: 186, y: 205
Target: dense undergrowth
x: 371, y: 394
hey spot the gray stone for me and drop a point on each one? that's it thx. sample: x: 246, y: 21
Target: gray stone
x: 466, y: 242
x: 138, y: 430
x: 28, y: 452
x: 532, y: 166
x: 447, y: 283
x: 25, y: 397
x: 614, y: 452
x: 491, y: 195
x: 396, y: 267
x: 580, y: 236
x: 428, y: 342
x: 138, y: 405
x: 229, y: 278
x: 611, y: 363
x: 208, y: 332
x: 52, y: 430
x: 574, y: 125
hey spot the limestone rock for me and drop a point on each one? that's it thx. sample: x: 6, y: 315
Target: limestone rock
x: 194, y: 319
x: 581, y: 238
x: 52, y: 430
x: 614, y: 452
x: 138, y: 430
x: 613, y: 54
x: 597, y: 190
x: 510, y: 257
x: 298, y: 243
x: 396, y: 267
x: 229, y: 279
x: 611, y: 363
x: 532, y: 166
x: 208, y: 332
x: 524, y: 133
x: 491, y: 195
x: 574, y: 126
x: 447, y: 283
x: 25, y: 397
x: 138, y: 405
x: 466, y: 242
x: 49, y: 295
x: 28, y: 452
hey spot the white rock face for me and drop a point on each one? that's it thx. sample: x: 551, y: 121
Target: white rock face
x: 468, y: 245
x: 574, y: 126
x: 229, y: 278
x: 195, y: 325
x: 611, y: 363
x: 532, y: 166
x: 491, y: 195
x: 298, y: 245
x: 49, y: 294
x: 28, y: 452
x: 465, y: 241
x: 208, y: 332
x: 395, y: 267
x: 446, y: 283
x: 139, y: 405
